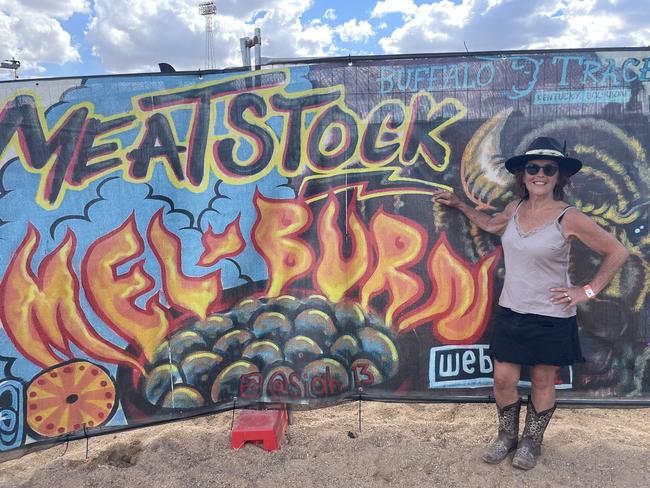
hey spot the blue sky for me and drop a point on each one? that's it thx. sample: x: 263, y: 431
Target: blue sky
x: 85, y: 37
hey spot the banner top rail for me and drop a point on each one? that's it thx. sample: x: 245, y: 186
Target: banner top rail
x: 271, y: 62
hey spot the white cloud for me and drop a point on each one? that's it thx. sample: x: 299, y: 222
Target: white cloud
x: 60, y: 9
x: 384, y: 7
x: 135, y: 35
x: 309, y: 42
x: 31, y: 32
x: 330, y: 14
x: 483, y: 25
x: 235, y: 8
x: 355, y: 31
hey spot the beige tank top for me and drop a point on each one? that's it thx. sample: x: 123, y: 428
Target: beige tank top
x: 535, y: 262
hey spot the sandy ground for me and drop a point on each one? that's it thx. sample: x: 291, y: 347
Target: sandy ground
x: 399, y: 445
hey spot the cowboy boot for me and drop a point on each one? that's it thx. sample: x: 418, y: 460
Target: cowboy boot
x: 506, y: 440
x: 530, y: 444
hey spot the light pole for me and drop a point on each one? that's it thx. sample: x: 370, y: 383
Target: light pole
x: 13, y: 64
x: 208, y: 10
x: 246, y: 43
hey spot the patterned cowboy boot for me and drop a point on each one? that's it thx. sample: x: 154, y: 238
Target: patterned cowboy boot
x: 506, y: 440
x: 530, y: 445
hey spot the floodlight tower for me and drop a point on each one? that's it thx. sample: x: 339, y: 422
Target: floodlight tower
x: 208, y: 10
x: 12, y: 64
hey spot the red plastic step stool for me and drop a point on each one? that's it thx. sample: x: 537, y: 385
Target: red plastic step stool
x: 265, y: 426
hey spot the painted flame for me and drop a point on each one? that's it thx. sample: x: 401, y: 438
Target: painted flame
x: 334, y: 274
x: 113, y: 296
x: 189, y: 293
x: 275, y: 236
x: 220, y: 246
x: 42, y: 313
x: 43, y: 316
x: 400, y: 243
x: 461, y: 296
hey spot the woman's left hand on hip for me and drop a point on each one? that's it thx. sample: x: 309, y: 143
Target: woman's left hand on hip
x: 568, y: 297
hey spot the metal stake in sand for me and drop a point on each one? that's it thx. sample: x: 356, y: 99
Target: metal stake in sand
x: 360, y: 393
x: 234, y: 407
x: 87, y: 439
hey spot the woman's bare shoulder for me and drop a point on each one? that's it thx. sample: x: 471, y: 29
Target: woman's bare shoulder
x: 574, y: 223
x: 510, y: 208
x: 573, y: 215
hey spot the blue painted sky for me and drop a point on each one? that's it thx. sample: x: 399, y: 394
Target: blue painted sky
x: 84, y: 37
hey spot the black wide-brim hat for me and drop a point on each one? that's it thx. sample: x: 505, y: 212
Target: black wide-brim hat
x: 545, y: 148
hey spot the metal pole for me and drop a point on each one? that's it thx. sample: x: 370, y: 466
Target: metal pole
x: 245, y: 52
x: 258, y: 48
x: 208, y: 10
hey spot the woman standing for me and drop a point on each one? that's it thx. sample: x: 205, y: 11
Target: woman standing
x: 536, y: 318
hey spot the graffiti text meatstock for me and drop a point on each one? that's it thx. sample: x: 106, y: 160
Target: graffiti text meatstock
x: 241, y: 128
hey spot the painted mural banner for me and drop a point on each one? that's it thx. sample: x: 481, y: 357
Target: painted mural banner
x: 175, y: 244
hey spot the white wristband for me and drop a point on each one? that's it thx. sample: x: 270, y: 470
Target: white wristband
x: 589, y: 291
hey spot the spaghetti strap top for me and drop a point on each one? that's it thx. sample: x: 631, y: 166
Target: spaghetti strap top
x: 535, y: 262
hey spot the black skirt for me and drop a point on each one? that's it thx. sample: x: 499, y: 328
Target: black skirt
x: 530, y: 339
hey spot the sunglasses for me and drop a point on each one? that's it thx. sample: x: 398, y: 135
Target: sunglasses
x: 533, y: 169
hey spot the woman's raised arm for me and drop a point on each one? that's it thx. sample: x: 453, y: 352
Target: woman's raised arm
x: 494, y: 224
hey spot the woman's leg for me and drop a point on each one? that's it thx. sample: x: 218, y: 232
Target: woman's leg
x: 506, y: 377
x: 542, y: 378
x: 540, y: 410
